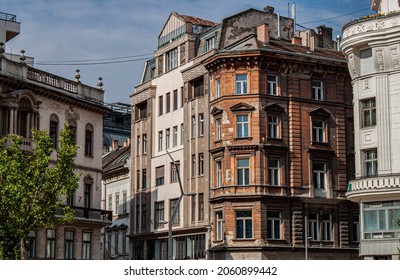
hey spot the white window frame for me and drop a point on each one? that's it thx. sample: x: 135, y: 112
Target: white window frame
x: 319, y: 131
x: 218, y: 174
x: 244, y: 220
x: 313, y: 226
x: 370, y: 162
x: 242, y: 125
x: 273, y: 127
x: 326, y: 227
x: 172, y: 59
x: 274, y: 172
x: 272, y: 85
x: 217, y: 88
x: 243, y: 172
x: 160, y: 140
x: 219, y: 217
x: 319, y: 175
x: 218, y: 129
x: 241, y: 84
x: 167, y: 138
x: 175, y: 136
x: 274, y: 222
x: 317, y: 90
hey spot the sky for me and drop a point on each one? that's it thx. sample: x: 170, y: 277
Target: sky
x: 112, y: 39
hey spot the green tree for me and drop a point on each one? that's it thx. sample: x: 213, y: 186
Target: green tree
x: 33, y: 188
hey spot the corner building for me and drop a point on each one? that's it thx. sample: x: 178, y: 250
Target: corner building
x: 371, y: 45
x: 280, y: 146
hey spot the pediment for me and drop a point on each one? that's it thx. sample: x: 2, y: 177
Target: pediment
x: 320, y: 113
x: 242, y: 107
x: 216, y: 111
x: 274, y: 107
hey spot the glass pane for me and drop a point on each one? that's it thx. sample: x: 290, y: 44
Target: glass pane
x: 239, y: 229
x: 370, y: 220
x: 249, y: 228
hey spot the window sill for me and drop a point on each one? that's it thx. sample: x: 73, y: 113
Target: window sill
x: 244, y: 239
x: 89, y: 156
x: 217, y: 141
x: 242, y: 138
x: 272, y: 139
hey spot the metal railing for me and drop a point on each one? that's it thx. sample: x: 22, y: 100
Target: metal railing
x: 8, y: 17
x: 88, y: 213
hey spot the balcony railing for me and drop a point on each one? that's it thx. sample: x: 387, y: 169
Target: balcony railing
x: 380, y: 182
x: 8, y: 17
x: 88, y: 213
x: 52, y: 80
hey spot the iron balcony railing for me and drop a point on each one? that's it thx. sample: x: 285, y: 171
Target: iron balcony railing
x: 88, y: 213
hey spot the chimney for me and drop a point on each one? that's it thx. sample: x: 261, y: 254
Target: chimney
x: 114, y: 144
x: 127, y: 142
x: 296, y: 40
x: 263, y: 33
x: 269, y: 9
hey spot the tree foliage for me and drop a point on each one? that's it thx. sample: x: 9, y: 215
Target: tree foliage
x: 33, y: 187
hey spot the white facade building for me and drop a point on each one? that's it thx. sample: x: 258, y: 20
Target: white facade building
x: 372, y: 47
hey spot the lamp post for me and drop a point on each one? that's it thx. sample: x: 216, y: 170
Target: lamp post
x: 306, y: 238
x: 173, y: 214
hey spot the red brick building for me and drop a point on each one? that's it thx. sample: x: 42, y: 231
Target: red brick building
x: 280, y: 148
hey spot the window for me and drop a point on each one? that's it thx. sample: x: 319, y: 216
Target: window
x: 174, y: 171
x: 319, y: 175
x: 272, y: 85
x: 241, y: 84
x: 172, y: 204
x: 141, y: 111
x: 273, y: 172
x: 313, y: 229
x: 160, y: 105
x: 144, y: 179
x: 201, y: 124
x: 317, y: 90
x: 243, y: 172
x: 160, y: 141
x: 368, y: 112
x: 89, y: 140
x: 210, y: 44
x: 160, y: 176
x: 273, y: 225
x: 182, y: 96
x: 87, y: 195
x: 116, y: 204
x: 175, y: 136
x: 144, y: 139
x: 110, y: 202
x: 273, y: 127
x: 159, y: 213
x: 69, y: 245
x: 201, y: 164
x: 242, y: 126
x: 123, y: 236
x: 175, y: 97
x: 172, y: 59
x: 168, y: 102
x: 86, y: 240
x: 138, y: 146
x: 218, y: 174
x: 138, y: 179
x: 218, y: 129
x: 109, y: 242
x: 144, y: 213
x: 137, y: 217
x: 244, y: 225
x: 318, y: 131
x: 327, y: 227
x: 193, y: 126
x: 370, y: 163
x: 220, y: 225
x: 116, y: 243
x: 201, y: 207
x: 182, y: 130
x: 198, y: 87
x: 31, y: 245
x: 53, y: 131
x: 380, y: 219
x: 124, y: 202
x: 356, y: 228
x: 193, y: 165
x: 193, y: 208
x: 167, y: 138
x: 51, y: 244
x: 217, y: 88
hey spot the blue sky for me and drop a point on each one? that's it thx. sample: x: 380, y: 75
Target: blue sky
x: 59, y: 30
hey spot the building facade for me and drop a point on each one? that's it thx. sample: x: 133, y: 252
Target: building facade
x: 116, y: 194
x: 31, y: 98
x: 259, y: 126
x: 371, y: 45
x: 116, y: 126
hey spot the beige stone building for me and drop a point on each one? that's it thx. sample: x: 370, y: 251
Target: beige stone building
x: 31, y: 98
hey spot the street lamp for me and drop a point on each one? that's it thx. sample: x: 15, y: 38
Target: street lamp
x: 306, y: 238
x: 173, y: 214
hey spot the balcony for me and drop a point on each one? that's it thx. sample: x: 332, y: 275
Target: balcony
x: 89, y: 214
x: 370, y: 23
x: 376, y: 187
x: 250, y: 190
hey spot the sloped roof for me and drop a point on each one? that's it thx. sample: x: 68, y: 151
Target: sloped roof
x: 116, y: 158
x: 196, y: 20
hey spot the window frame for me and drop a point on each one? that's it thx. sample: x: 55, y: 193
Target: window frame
x: 274, y: 223
x: 172, y: 59
x: 244, y: 220
x: 242, y: 172
x: 274, y: 172
x: 241, y: 84
x: 370, y: 163
x: 368, y: 112
x: 159, y: 212
x: 317, y: 173
x: 317, y: 89
x: 242, y: 126
x: 273, y: 127
x: 272, y: 85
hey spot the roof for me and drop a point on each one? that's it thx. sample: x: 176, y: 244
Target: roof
x: 116, y: 158
x: 196, y: 20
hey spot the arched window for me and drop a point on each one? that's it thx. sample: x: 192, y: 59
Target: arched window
x: 53, y: 130
x: 89, y: 140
